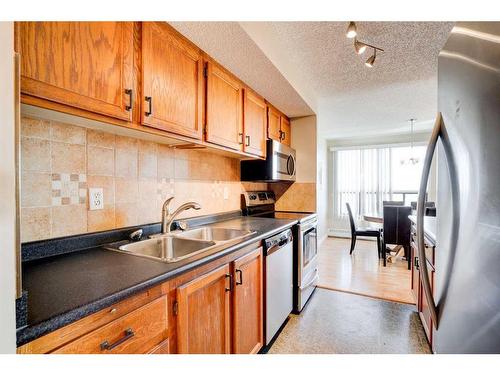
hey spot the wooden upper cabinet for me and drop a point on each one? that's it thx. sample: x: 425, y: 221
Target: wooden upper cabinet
x: 224, y: 114
x: 273, y: 124
x: 203, y: 321
x: 254, y: 123
x: 87, y: 65
x: 285, y: 130
x: 248, y: 323
x: 172, y: 81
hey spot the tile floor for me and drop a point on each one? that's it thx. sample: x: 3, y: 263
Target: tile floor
x: 340, y: 323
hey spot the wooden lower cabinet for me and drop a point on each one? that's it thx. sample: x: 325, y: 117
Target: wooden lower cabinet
x: 203, y: 321
x: 417, y: 284
x: 214, y: 308
x: 137, y: 332
x: 248, y: 336
x: 424, y: 311
x: 415, y: 274
x: 161, y: 348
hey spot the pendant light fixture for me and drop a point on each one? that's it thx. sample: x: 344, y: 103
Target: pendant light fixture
x: 411, y: 160
x: 360, y: 47
x: 351, y: 30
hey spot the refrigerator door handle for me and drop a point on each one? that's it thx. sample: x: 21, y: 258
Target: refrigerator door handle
x: 420, y: 219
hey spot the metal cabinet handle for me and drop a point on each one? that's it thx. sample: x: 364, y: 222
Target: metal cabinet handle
x: 240, y: 138
x: 130, y: 99
x: 247, y: 137
x: 240, y: 272
x: 230, y: 277
x: 150, y: 105
x: 105, y: 345
x: 281, y: 135
x: 284, y: 136
x: 420, y: 218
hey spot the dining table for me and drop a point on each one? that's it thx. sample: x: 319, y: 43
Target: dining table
x: 376, y: 218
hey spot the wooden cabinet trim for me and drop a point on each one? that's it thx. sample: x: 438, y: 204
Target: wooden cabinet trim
x: 162, y: 348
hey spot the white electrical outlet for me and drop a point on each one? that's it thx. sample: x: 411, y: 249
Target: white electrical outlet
x: 96, y: 199
x: 226, y: 193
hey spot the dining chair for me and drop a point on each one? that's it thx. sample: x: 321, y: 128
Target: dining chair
x: 365, y: 232
x: 397, y: 229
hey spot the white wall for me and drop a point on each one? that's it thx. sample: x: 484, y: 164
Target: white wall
x: 304, y: 143
x: 7, y: 192
x: 322, y: 188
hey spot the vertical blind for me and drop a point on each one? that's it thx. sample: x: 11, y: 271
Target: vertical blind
x: 364, y: 178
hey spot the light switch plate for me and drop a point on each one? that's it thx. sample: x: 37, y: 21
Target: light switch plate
x: 226, y: 193
x: 96, y: 199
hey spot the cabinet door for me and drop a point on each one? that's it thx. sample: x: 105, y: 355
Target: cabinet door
x: 224, y: 125
x: 172, y: 81
x: 286, y: 135
x: 254, y: 123
x: 425, y: 313
x: 415, y: 274
x: 87, y: 65
x: 203, y: 321
x: 248, y: 304
x: 273, y: 124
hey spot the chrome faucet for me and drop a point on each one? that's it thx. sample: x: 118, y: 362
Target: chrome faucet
x: 168, y: 218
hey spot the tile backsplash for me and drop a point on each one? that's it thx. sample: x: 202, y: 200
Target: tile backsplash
x: 60, y: 162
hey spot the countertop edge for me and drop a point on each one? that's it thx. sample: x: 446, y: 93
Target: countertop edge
x: 27, y: 334
x: 429, y: 233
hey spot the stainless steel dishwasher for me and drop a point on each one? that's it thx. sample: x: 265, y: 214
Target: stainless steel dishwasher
x: 279, y: 281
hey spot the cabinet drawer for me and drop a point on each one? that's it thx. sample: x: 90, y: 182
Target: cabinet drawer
x: 64, y: 335
x: 136, y: 332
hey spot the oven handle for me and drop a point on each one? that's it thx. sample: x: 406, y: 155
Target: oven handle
x: 307, y: 226
x: 314, y: 280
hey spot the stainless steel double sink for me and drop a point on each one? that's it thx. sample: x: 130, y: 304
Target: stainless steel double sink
x: 176, y: 246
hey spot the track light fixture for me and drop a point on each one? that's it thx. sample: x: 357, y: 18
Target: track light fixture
x: 371, y: 60
x: 360, y: 47
x: 351, y: 30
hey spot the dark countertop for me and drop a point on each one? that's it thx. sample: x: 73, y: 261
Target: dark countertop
x: 64, y: 288
x: 430, y: 226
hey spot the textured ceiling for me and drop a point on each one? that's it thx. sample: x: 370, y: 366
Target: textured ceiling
x: 326, y: 58
x: 294, y: 63
x: 230, y: 45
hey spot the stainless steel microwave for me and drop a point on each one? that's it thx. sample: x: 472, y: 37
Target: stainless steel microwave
x: 280, y: 164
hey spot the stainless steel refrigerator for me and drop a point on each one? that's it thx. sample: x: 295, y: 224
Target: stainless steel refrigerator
x: 467, y: 138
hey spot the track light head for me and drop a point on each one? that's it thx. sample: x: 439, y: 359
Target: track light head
x: 351, y: 30
x: 371, y: 60
x: 360, y: 47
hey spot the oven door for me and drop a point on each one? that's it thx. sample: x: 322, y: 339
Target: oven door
x: 307, y: 251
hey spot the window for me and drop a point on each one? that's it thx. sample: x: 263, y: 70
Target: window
x: 365, y: 177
